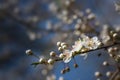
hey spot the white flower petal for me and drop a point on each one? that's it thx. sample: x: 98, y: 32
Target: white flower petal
x: 67, y: 60
x: 77, y: 46
x: 85, y: 55
x: 68, y: 56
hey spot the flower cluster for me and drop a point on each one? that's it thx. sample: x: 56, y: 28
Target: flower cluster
x: 80, y: 47
x: 110, y: 41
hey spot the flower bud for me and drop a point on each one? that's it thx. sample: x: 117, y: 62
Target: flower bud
x: 91, y: 16
x: 29, y: 52
x: 41, y: 60
x: 67, y: 69
x: 88, y: 11
x: 98, y: 74
x: 61, y: 56
x: 63, y: 71
x: 115, y: 35
x: 50, y: 61
x: 75, y: 65
x: 117, y: 58
x: 110, y: 50
x: 63, y: 43
x: 52, y: 54
x: 108, y: 74
x: 60, y: 49
x: 64, y: 46
x: 59, y: 44
x: 112, y: 55
x: 105, y: 63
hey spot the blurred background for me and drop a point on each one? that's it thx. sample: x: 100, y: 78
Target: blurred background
x: 38, y: 25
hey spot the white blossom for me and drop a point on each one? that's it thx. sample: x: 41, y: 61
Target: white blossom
x: 77, y: 46
x: 86, y: 44
x: 67, y: 56
x: 91, y: 43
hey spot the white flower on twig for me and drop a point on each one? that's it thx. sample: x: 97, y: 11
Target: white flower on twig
x: 91, y: 43
x: 77, y: 46
x: 67, y: 56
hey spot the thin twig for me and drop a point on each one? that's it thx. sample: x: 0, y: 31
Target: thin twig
x: 104, y: 47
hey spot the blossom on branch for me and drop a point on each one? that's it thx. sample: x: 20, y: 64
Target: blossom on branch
x: 67, y: 56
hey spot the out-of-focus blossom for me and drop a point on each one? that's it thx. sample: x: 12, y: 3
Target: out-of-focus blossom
x: 117, y: 6
x: 51, y: 77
